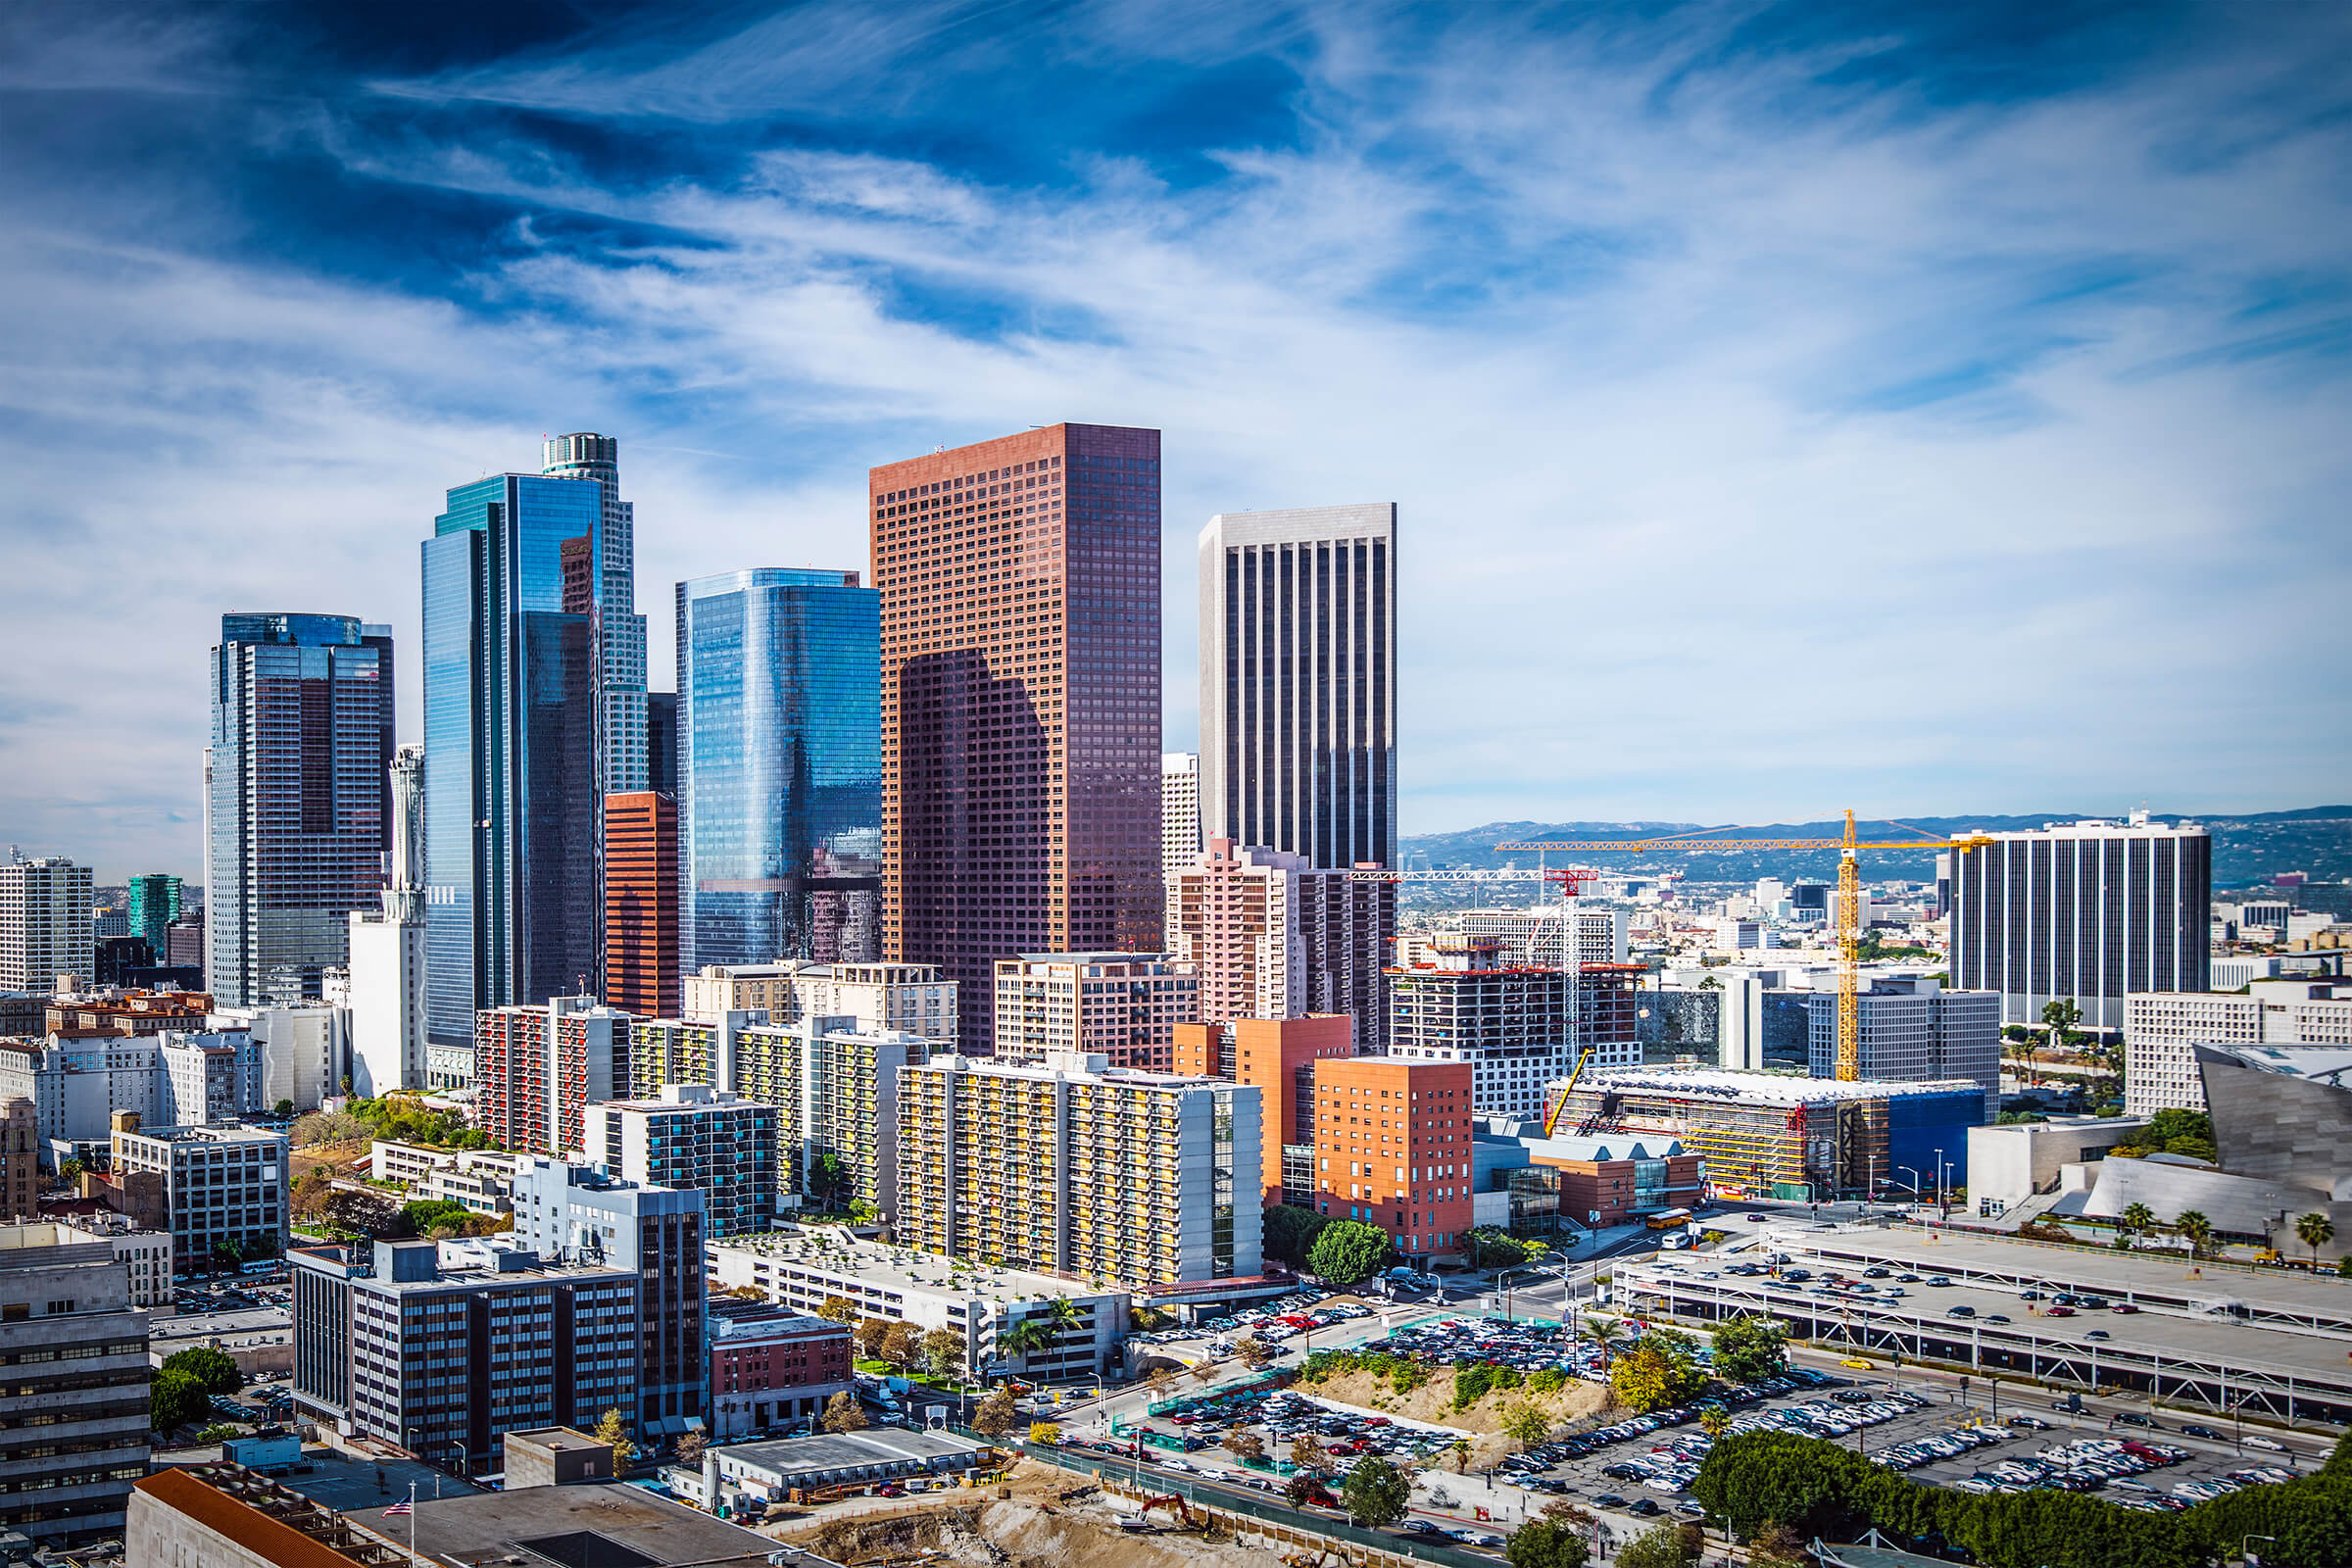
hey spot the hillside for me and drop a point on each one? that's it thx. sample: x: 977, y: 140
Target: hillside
x: 2246, y: 850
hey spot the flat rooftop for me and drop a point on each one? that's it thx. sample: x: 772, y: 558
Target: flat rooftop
x: 900, y: 1268
x: 845, y: 1450
x: 1766, y: 1087
x: 588, y: 1525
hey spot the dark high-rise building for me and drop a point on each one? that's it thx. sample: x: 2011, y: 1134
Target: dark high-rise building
x: 779, y: 768
x: 2085, y: 913
x: 511, y: 802
x: 154, y: 899
x: 1020, y: 702
x: 661, y: 743
x: 295, y: 798
x: 1299, y: 682
x: 641, y: 904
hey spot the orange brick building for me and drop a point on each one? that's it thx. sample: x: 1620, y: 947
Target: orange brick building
x: 641, y: 904
x: 1393, y: 1149
x: 1280, y: 1056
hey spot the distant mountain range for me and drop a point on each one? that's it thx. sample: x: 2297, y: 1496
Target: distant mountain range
x: 2246, y: 850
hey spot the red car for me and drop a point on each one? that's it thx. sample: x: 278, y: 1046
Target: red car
x: 2061, y: 1311
x: 2122, y: 1307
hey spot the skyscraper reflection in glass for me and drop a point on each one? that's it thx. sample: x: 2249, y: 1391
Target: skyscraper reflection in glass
x: 510, y: 803
x: 779, y: 767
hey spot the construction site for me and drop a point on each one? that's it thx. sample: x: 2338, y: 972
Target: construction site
x: 1043, y: 1516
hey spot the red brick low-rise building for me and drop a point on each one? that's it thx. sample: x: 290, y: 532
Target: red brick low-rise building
x: 771, y: 1369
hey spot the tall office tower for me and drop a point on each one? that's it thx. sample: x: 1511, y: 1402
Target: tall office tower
x: 1179, y: 809
x: 1124, y: 1005
x: 20, y: 1159
x: 779, y: 767
x: 536, y: 1069
x: 1299, y: 682
x: 1020, y: 702
x: 587, y: 1217
x: 641, y: 904
x: 1272, y: 938
x: 386, y: 980
x: 1515, y: 1026
x: 1279, y: 1056
x: 511, y: 800
x: 605, y: 575
x: 154, y: 904
x: 661, y: 743
x: 2085, y: 911
x: 692, y: 1135
x: 295, y: 825
x: 77, y: 1419
x: 45, y: 924
x: 1034, y: 1166
x: 1393, y: 1149
x: 184, y: 945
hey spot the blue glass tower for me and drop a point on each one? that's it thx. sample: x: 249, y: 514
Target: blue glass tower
x: 779, y: 745
x: 511, y: 737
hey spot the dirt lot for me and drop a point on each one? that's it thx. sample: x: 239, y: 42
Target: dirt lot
x: 1433, y: 1402
x: 1053, y: 1520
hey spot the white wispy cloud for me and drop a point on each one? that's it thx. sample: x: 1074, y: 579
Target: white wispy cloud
x: 1763, y: 445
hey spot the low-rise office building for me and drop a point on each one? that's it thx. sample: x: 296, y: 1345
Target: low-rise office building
x: 772, y: 1471
x: 145, y: 1255
x: 225, y: 1187
x: 771, y: 1366
x: 804, y: 1270
x: 2162, y: 1030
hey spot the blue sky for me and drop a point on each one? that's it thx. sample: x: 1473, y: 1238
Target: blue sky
x: 1931, y: 409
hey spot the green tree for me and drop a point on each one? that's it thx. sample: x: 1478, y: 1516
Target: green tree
x: 2136, y: 1220
x: 843, y: 1413
x: 2173, y: 1122
x: 174, y: 1400
x: 1749, y: 1349
x: 1026, y: 1338
x: 1524, y: 1424
x: 2060, y: 1017
x: 995, y: 1415
x: 901, y: 1345
x: 837, y: 1309
x: 214, y: 1371
x: 1291, y: 1232
x: 1653, y: 1376
x: 829, y: 1179
x: 2315, y: 1231
x: 1666, y: 1544
x: 70, y: 1173
x: 1376, y: 1492
x: 1712, y: 1422
x: 1348, y: 1252
x: 2194, y: 1225
x: 613, y: 1430
x: 1046, y: 1434
x: 869, y: 1334
x: 1309, y: 1456
x: 1604, y: 1332
x: 1545, y: 1543
x: 943, y: 1352
x: 285, y: 1107
x: 689, y: 1448
x: 1252, y: 1352
x: 1245, y: 1446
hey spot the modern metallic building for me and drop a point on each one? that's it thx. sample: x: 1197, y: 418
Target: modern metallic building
x: 154, y: 899
x: 511, y: 740
x: 1020, y: 701
x: 779, y: 767
x: 1914, y: 1033
x: 1299, y: 681
x: 297, y: 799
x: 2085, y: 911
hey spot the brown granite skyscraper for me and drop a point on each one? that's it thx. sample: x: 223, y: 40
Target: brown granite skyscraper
x: 1020, y: 703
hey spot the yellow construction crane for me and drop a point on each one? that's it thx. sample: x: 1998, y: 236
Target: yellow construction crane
x: 1551, y: 1116
x: 1850, y: 904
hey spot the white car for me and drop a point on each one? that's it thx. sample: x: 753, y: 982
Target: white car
x: 2255, y: 1440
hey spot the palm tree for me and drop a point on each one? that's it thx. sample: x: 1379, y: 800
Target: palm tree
x: 1461, y: 1456
x: 2315, y: 1231
x: 1023, y: 1337
x: 2136, y: 1218
x: 1712, y: 1421
x: 2197, y: 1228
x: 1604, y: 1332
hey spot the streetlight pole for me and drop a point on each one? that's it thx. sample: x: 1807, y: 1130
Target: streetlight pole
x: 2242, y: 1544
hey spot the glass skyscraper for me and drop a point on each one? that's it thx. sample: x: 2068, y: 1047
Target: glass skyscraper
x: 608, y: 595
x: 779, y: 763
x: 296, y: 782
x: 513, y: 906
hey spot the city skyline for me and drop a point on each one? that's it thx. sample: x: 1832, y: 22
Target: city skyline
x: 1885, y: 374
